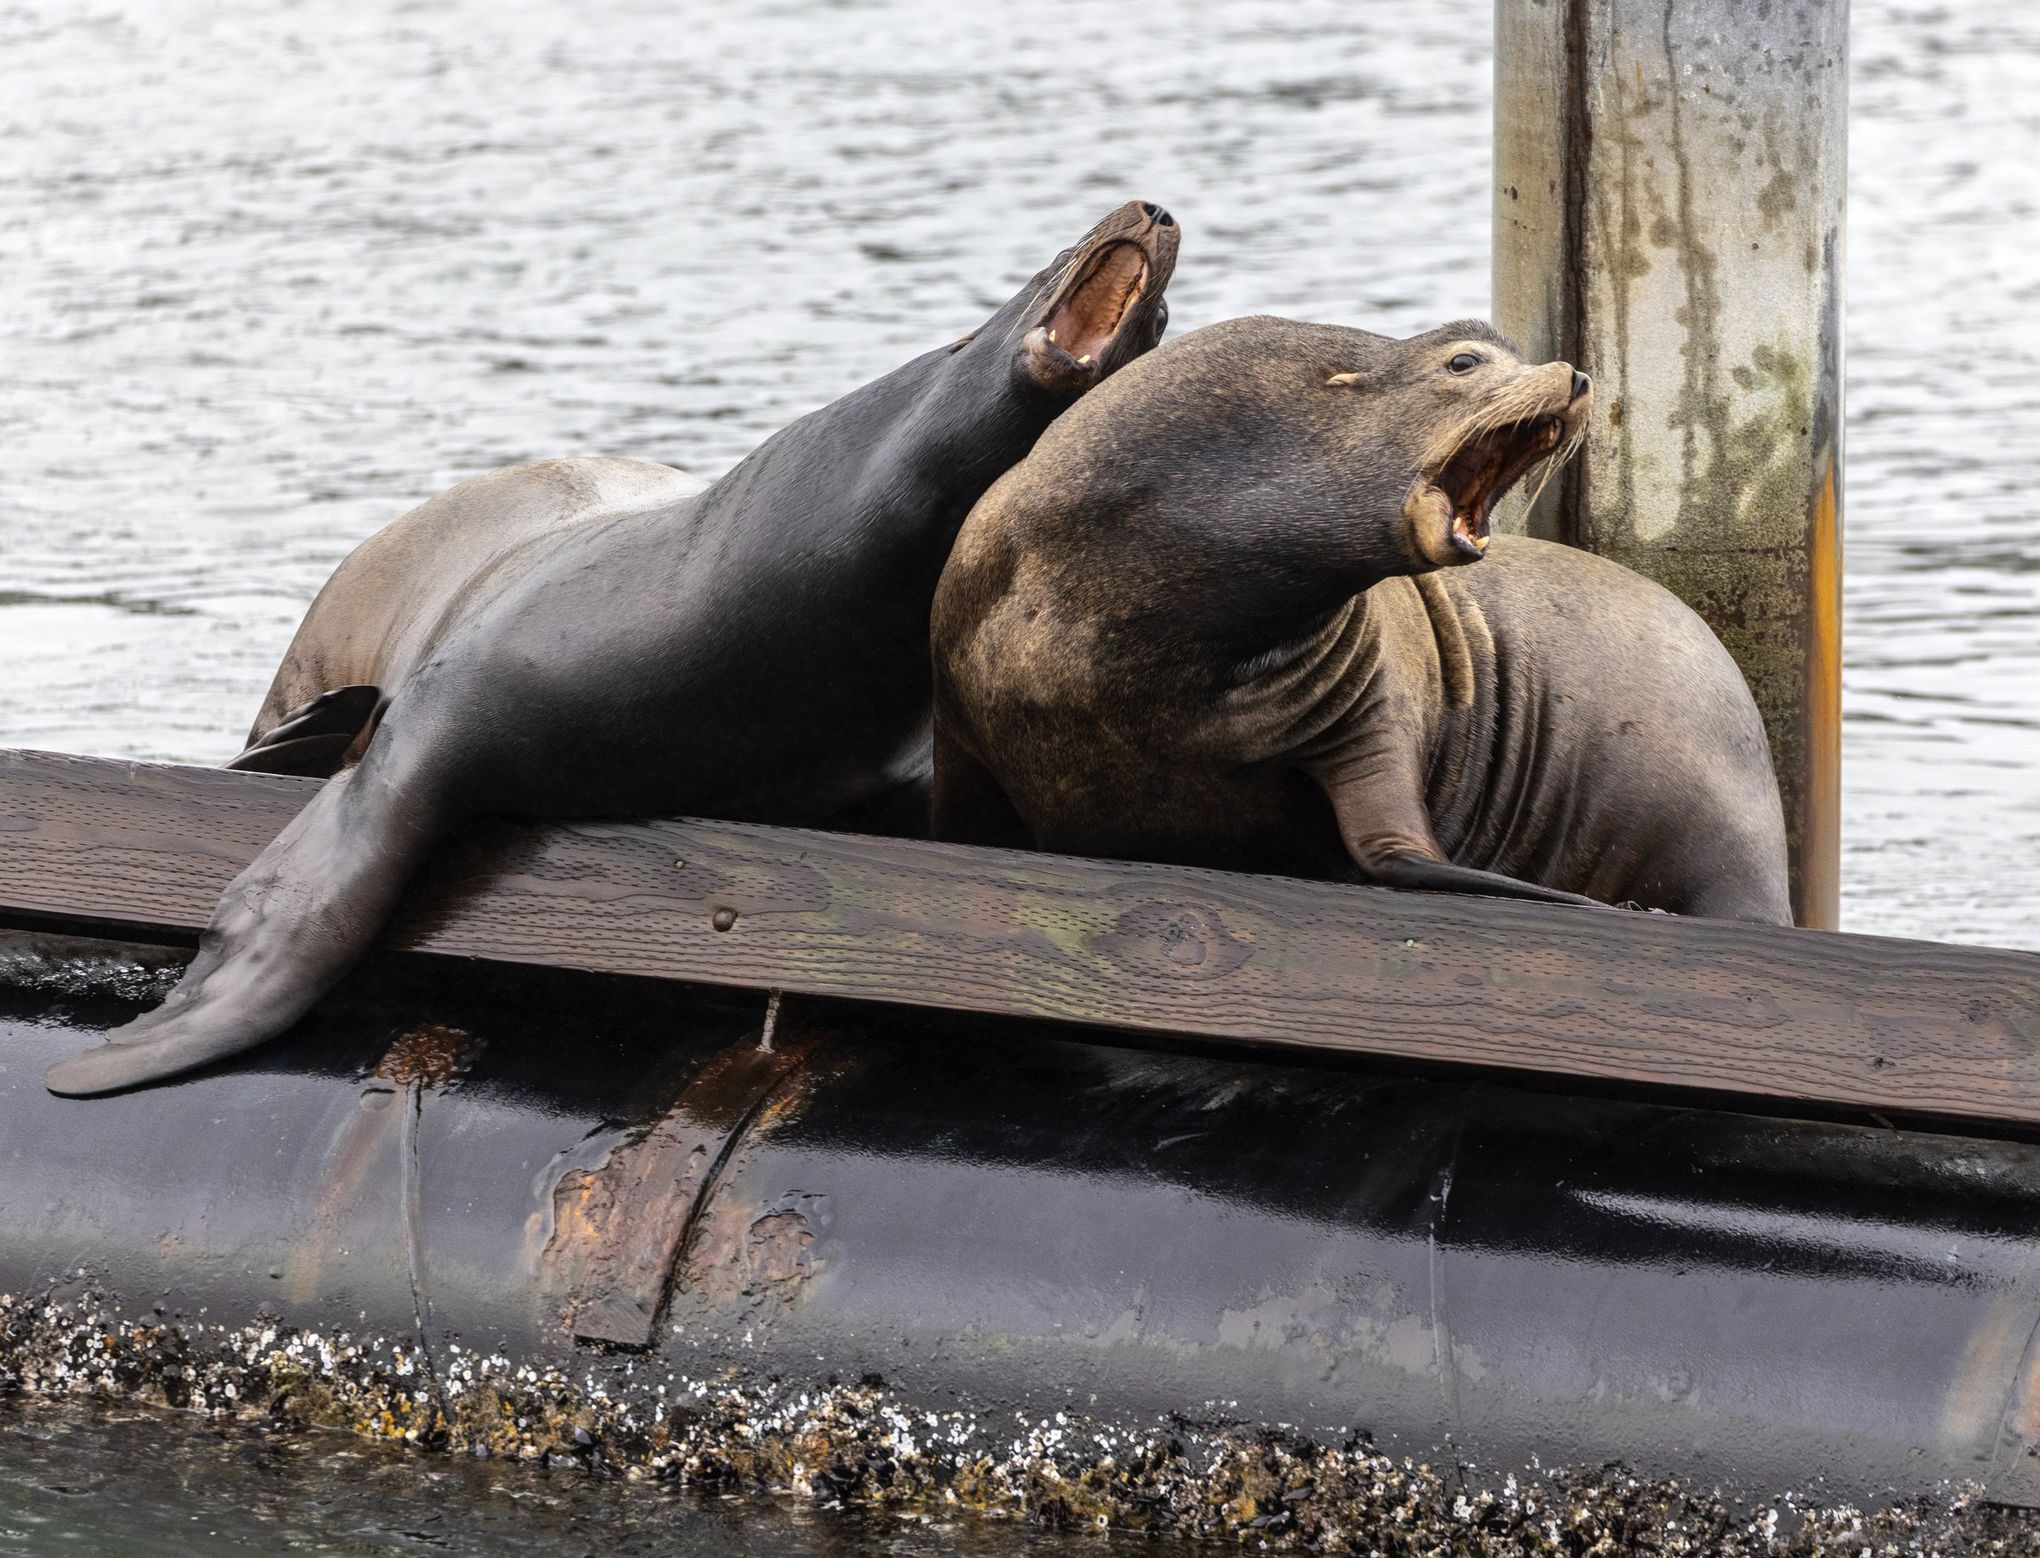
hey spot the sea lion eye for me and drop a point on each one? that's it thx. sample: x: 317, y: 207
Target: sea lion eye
x: 1465, y: 362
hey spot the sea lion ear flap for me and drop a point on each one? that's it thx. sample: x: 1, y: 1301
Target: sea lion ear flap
x: 1357, y: 378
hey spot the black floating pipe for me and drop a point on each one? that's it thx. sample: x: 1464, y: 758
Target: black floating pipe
x: 605, y: 1172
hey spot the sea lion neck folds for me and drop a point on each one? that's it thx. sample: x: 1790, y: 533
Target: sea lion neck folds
x: 757, y: 650
x: 1227, y: 614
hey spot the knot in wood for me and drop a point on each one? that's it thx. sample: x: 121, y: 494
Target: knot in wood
x: 1186, y: 937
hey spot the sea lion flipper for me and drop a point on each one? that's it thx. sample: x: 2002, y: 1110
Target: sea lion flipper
x: 315, y: 757
x: 123, y: 1063
x: 312, y: 739
x: 1419, y: 873
x: 285, y: 930
x: 184, y: 1033
x: 1377, y: 795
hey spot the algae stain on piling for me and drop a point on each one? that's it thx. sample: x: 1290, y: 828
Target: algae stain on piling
x: 1705, y: 289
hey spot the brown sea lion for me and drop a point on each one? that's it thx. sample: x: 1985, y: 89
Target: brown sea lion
x: 758, y: 650
x: 1217, y: 618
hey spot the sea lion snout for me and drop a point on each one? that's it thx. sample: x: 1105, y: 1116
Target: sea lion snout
x: 1103, y: 302
x: 1508, y: 417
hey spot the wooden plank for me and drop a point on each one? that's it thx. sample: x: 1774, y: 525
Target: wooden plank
x: 1915, y: 1027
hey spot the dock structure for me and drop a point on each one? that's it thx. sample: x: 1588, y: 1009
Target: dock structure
x: 1802, y: 1017
x: 1669, y: 215
x: 1031, y: 1135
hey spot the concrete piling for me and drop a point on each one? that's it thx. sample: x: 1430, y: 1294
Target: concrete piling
x: 1670, y: 190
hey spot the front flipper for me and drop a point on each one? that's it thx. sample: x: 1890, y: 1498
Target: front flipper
x: 1377, y: 794
x: 1426, y: 873
x: 313, y: 739
x: 285, y: 930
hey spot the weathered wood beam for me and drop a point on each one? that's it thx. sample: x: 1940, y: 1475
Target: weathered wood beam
x: 1912, y: 1027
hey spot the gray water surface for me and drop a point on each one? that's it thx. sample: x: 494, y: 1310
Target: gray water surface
x: 274, y: 272
x: 77, y: 1479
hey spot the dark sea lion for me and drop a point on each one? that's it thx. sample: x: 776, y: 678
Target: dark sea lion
x: 1217, y: 618
x: 756, y: 651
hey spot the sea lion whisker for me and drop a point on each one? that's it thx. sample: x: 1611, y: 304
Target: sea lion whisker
x: 1452, y: 440
x: 1556, y: 461
x: 1037, y: 300
x: 1544, y: 476
x: 1045, y: 294
x: 1023, y: 317
x: 1482, y: 420
x: 1521, y: 401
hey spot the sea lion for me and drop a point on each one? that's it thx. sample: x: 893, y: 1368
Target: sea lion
x: 1219, y: 617
x: 757, y: 651
x: 382, y: 608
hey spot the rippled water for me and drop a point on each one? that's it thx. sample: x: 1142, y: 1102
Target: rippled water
x: 115, y: 1481
x: 274, y: 271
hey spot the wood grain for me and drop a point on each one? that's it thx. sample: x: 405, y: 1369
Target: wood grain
x: 1912, y: 1027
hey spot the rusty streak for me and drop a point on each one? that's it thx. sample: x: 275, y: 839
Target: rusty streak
x: 647, y: 1198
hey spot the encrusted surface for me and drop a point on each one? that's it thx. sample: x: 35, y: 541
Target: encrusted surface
x: 858, y: 1444
x: 64, y: 965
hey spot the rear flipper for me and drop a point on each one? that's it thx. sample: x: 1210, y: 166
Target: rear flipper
x: 284, y: 932
x: 313, y: 739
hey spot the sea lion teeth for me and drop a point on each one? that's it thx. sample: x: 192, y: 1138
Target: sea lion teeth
x: 1466, y: 528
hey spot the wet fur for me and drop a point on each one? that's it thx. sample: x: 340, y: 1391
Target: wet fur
x: 1194, y: 626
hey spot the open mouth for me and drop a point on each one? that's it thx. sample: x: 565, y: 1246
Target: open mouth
x: 1090, y: 316
x: 1474, y: 479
